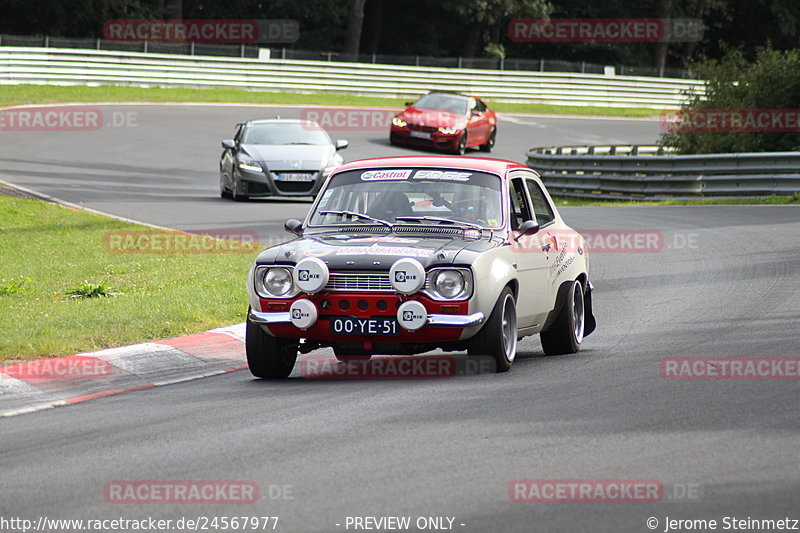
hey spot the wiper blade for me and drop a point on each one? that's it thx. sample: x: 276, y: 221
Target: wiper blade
x: 286, y: 144
x: 439, y: 219
x: 357, y: 215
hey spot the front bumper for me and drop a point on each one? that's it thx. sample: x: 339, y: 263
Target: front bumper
x: 437, y: 140
x: 435, y: 320
x: 263, y: 184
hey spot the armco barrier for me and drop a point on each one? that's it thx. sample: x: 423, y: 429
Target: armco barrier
x: 65, y: 66
x: 648, y: 172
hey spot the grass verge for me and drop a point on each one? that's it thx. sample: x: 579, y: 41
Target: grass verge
x: 49, y: 251
x: 50, y: 94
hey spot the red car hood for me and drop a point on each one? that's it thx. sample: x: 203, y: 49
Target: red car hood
x: 431, y: 117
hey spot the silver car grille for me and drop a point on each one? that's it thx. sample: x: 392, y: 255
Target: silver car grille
x: 359, y: 281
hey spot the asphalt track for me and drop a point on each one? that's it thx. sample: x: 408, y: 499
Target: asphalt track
x: 724, y: 282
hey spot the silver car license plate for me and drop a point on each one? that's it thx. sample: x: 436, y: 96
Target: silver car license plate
x: 420, y: 134
x: 289, y: 176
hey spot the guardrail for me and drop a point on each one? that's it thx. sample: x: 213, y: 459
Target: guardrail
x: 651, y: 172
x: 64, y: 66
x: 253, y: 51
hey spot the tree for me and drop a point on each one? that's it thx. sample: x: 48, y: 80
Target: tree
x: 486, y: 20
x: 741, y: 90
x: 355, y: 21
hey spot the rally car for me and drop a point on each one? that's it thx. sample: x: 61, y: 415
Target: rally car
x: 403, y: 255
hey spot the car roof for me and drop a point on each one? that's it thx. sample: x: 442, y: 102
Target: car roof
x: 481, y: 164
x: 279, y: 121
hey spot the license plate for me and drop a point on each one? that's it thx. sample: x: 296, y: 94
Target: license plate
x: 364, y: 326
x: 420, y: 134
x: 295, y: 177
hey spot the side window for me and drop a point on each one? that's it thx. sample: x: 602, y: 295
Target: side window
x: 541, y: 209
x: 480, y: 106
x: 520, y: 211
x: 239, y: 131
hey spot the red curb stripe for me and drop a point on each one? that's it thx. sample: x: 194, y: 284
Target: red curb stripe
x: 85, y: 397
x: 208, y: 345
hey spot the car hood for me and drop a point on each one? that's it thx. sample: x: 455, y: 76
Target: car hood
x: 292, y: 156
x: 362, y: 251
x: 430, y: 117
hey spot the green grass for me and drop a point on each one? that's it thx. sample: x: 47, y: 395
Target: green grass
x: 48, y: 250
x: 764, y: 200
x: 48, y: 94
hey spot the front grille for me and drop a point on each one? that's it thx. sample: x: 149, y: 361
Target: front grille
x: 417, y: 127
x: 295, y: 186
x: 255, y: 187
x: 359, y: 281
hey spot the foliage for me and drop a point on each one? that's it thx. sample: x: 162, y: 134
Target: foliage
x: 734, y: 84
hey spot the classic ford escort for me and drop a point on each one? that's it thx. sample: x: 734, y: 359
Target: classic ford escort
x: 403, y: 255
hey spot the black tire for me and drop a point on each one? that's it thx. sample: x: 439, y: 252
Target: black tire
x: 487, y: 147
x: 223, y: 192
x: 269, y: 357
x: 498, y: 336
x: 461, y: 147
x: 566, y: 333
x: 235, y: 194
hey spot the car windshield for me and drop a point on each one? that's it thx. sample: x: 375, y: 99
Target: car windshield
x: 443, y: 102
x: 411, y: 196
x: 281, y: 133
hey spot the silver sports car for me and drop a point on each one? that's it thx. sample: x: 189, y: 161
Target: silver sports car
x: 277, y: 157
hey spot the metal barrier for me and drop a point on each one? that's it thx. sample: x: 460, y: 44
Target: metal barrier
x: 253, y: 50
x: 651, y: 172
x: 64, y: 66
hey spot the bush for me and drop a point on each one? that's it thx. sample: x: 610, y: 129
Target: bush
x: 734, y: 85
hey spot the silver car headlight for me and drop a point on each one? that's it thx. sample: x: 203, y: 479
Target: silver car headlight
x: 450, y: 283
x: 250, y: 164
x: 273, y: 281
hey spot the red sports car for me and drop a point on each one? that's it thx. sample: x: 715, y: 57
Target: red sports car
x: 446, y: 121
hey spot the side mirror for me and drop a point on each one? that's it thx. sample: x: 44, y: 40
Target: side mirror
x: 228, y: 144
x: 529, y: 227
x: 408, y: 104
x: 294, y: 226
x: 476, y: 113
x: 341, y: 144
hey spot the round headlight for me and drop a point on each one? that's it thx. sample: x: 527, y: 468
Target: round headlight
x: 278, y: 281
x: 449, y: 283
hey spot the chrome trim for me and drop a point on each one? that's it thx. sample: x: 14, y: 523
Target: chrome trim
x: 456, y: 321
x: 261, y: 317
x: 430, y: 290
x: 359, y: 282
x: 258, y: 276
